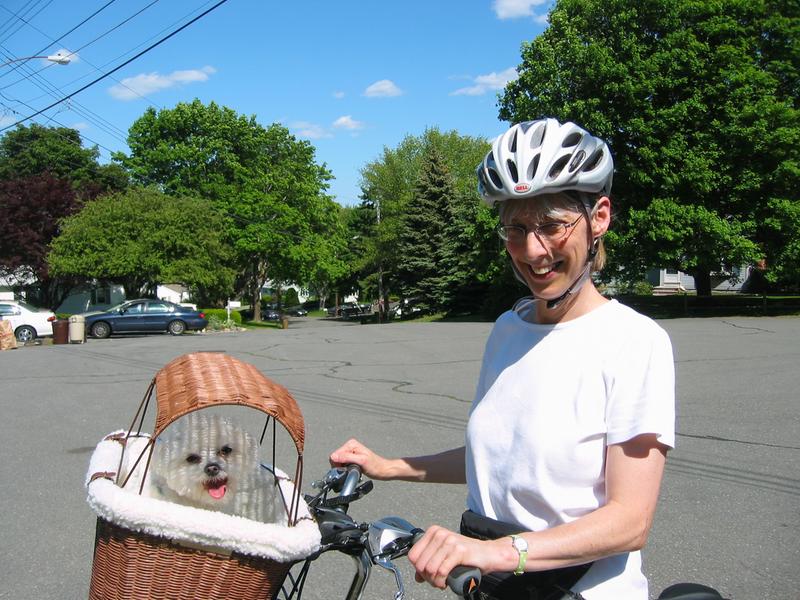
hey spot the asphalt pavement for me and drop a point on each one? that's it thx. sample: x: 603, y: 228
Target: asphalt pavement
x: 730, y: 503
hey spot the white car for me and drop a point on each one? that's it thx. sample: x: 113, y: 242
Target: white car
x: 28, y: 322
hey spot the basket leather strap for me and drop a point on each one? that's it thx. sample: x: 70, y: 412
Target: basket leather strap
x: 116, y: 437
x: 111, y: 476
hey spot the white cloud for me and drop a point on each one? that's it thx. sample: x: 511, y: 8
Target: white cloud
x: 80, y: 126
x: 383, y: 89
x: 6, y: 120
x: 487, y: 83
x: 347, y: 122
x: 338, y: 95
x: 309, y: 130
x: 132, y: 88
x: 514, y: 9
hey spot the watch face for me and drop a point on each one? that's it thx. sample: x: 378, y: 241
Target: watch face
x: 520, y: 544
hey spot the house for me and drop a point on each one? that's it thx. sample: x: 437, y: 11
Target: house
x: 173, y: 292
x: 90, y: 297
x: 6, y: 289
x: 672, y: 281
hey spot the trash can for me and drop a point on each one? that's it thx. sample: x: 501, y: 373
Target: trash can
x: 77, y: 329
x: 284, y: 322
x: 60, y: 331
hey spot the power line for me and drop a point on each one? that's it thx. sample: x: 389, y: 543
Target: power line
x: 115, y: 69
x: 45, y: 86
x: 62, y: 36
x: 127, y: 52
x: 74, y: 52
x: 7, y: 37
x: 88, y: 139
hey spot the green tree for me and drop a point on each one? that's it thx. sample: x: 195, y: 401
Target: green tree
x: 141, y: 238
x: 264, y: 181
x: 28, y: 151
x: 388, y: 186
x: 422, y: 236
x: 699, y: 103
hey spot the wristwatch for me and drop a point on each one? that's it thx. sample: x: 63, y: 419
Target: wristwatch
x: 521, y: 546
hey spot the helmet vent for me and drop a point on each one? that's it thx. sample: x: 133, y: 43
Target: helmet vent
x: 512, y: 169
x: 593, y: 161
x: 571, y: 140
x: 557, y: 167
x: 576, y: 160
x: 498, y: 183
x: 512, y: 146
x: 490, y: 162
x: 538, y: 135
x: 533, y: 167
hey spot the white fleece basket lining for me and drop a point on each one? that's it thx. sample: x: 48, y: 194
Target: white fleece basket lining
x: 193, y: 527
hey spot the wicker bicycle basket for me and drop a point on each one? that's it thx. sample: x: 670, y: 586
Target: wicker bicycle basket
x: 149, y: 548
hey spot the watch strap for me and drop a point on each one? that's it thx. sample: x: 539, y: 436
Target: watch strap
x: 523, y: 553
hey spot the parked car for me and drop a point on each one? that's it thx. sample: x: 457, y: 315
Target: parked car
x: 296, y: 311
x: 28, y: 322
x: 270, y: 314
x: 349, y: 309
x: 144, y: 315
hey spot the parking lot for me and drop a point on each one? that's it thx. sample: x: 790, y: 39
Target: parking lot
x: 730, y: 506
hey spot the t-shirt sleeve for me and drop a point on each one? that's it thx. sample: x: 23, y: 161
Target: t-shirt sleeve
x: 642, y: 395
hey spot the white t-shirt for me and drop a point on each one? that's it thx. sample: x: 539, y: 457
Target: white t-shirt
x: 550, y: 399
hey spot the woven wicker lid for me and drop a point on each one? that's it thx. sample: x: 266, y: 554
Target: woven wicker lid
x: 203, y: 379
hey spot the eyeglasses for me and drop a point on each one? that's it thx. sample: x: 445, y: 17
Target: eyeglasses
x: 551, y: 232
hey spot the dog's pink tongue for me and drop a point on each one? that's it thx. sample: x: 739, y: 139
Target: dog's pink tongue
x: 218, y: 492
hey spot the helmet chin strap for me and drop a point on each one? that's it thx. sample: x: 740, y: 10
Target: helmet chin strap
x: 579, y: 281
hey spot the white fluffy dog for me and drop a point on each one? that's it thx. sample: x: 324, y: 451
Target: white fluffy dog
x: 209, y: 462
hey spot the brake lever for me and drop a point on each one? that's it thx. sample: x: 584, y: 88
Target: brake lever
x: 387, y: 564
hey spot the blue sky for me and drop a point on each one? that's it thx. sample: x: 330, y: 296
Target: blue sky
x: 352, y: 77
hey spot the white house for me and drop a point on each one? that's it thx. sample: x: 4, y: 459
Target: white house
x: 670, y: 281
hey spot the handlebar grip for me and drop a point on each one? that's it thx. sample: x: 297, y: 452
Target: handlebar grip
x: 464, y: 580
x: 351, y: 480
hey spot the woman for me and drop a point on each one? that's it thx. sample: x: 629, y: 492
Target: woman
x: 574, y: 411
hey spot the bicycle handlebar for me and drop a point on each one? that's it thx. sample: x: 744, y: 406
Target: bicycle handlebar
x: 351, y: 480
x: 464, y: 580
x: 461, y: 580
x: 341, y: 532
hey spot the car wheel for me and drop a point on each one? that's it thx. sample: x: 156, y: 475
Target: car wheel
x: 25, y: 334
x: 176, y: 327
x: 101, y: 329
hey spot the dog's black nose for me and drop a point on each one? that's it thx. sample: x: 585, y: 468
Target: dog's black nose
x: 212, y: 469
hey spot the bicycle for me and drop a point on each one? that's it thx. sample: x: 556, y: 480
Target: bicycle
x: 383, y: 541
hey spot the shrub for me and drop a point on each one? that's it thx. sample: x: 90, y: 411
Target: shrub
x: 222, y: 315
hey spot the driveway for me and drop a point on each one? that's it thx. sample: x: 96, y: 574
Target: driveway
x: 729, y: 510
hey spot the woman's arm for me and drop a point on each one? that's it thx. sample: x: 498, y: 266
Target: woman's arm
x: 445, y: 467
x: 633, y: 479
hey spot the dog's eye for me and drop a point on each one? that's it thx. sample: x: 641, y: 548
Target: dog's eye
x: 193, y: 459
x: 225, y: 450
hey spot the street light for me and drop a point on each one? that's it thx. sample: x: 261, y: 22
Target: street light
x: 59, y: 59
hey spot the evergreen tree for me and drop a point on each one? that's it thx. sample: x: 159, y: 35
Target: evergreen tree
x: 422, y: 241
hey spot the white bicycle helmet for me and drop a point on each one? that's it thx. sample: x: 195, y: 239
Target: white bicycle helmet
x: 544, y: 157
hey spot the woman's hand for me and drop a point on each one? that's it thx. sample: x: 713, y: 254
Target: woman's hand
x: 353, y: 452
x: 445, y: 467
x: 439, y: 551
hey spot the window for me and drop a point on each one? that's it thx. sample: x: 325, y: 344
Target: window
x: 9, y: 309
x: 101, y: 295
x: 158, y: 307
x: 138, y: 307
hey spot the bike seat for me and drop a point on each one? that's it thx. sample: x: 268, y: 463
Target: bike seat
x: 690, y: 591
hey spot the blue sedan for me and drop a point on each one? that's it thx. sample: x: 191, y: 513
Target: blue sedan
x: 143, y: 316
